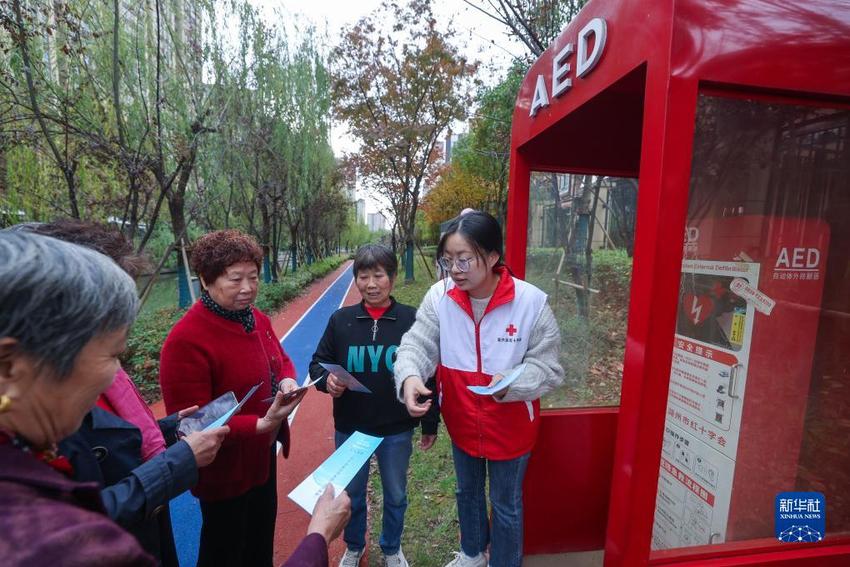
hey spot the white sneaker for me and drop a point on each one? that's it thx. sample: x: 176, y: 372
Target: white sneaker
x: 463, y: 560
x: 396, y: 559
x: 351, y: 558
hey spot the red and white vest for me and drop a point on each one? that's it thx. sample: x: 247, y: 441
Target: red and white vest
x: 471, y: 354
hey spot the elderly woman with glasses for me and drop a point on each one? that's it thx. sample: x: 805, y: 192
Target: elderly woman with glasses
x: 64, y: 316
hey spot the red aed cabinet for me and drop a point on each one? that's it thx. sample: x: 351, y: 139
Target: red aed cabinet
x: 748, y: 313
x: 733, y: 117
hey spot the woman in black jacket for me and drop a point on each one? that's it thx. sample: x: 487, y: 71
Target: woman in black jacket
x: 363, y: 339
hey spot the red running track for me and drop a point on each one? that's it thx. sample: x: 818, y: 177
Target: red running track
x: 312, y: 436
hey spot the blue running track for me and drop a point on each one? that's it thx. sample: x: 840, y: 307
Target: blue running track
x: 299, y: 343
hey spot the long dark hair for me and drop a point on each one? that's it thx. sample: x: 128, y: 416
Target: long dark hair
x: 483, y: 233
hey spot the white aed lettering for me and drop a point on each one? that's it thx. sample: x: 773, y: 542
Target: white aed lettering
x: 560, y: 68
x: 541, y: 98
x: 585, y: 63
x: 798, y: 258
x: 586, y: 59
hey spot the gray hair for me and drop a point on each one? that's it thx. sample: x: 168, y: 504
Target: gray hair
x: 56, y: 296
x: 374, y: 256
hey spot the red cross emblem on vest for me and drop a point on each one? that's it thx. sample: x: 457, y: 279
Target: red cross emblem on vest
x: 511, y: 330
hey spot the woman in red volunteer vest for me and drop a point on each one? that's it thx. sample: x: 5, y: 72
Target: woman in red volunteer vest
x: 475, y: 329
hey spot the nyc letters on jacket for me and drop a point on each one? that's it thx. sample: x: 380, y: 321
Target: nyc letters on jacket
x: 366, y: 348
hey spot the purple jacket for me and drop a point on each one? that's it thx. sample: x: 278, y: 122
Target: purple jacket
x: 311, y: 552
x: 48, y: 519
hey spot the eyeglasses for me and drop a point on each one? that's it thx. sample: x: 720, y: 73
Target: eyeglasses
x: 462, y: 264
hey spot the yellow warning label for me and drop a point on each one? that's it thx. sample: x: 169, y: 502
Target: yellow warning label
x: 736, y: 336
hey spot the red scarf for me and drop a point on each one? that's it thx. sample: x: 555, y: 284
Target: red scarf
x: 47, y: 456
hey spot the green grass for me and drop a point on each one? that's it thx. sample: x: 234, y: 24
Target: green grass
x: 411, y: 293
x: 431, y: 527
x: 591, y: 350
x: 162, y: 296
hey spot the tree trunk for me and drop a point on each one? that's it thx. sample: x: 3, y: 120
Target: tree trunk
x: 70, y: 179
x: 623, y: 207
x: 408, y: 261
x: 502, y: 203
x: 2, y: 165
x: 134, y: 208
x: 177, y: 206
x: 578, y: 242
x: 265, y: 234
x: 155, y: 214
x: 293, y: 239
x: 588, y: 252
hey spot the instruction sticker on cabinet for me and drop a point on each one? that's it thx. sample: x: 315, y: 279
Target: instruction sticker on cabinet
x: 760, y: 301
x: 705, y: 400
x: 694, y: 492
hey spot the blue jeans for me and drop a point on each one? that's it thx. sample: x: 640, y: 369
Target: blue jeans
x: 505, y: 498
x: 393, y: 459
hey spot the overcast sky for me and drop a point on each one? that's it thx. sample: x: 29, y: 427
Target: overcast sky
x: 479, y: 37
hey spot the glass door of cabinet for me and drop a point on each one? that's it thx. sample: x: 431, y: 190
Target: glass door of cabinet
x: 758, y: 405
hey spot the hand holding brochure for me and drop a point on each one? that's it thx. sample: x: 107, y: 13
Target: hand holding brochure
x: 338, y: 469
x: 289, y: 396
x: 215, y: 414
x: 226, y: 417
x: 350, y: 381
x: 500, y: 385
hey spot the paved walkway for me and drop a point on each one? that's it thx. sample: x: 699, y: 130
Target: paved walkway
x: 312, y: 435
x: 300, y: 325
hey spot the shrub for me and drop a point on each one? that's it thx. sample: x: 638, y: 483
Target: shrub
x: 612, y: 275
x: 272, y: 296
x: 542, y: 260
x: 141, y: 359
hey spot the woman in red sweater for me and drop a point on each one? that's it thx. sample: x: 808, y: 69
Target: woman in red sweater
x: 224, y: 343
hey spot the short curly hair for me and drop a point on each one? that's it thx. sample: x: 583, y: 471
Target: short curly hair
x: 215, y: 251
x: 103, y: 238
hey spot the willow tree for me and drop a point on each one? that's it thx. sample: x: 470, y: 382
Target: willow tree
x: 272, y: 170
x: 110, y: 94
x: 43, y: 90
